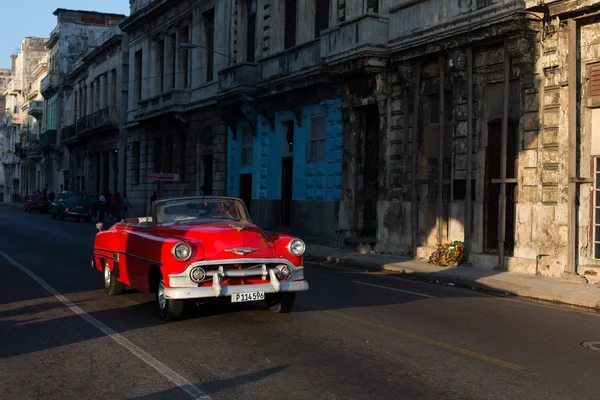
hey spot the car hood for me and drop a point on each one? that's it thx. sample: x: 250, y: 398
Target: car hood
x: 225, y: 239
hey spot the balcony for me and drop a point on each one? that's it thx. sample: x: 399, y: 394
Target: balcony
x: 14, y: 86
x: 415, y: 23
x: 361, y: 41
x: 136, y: 5
x: 173, y: 101
x: 18, y: 119
x: 36, y: 109
x: 106, y: 118
x: 68, y: 134
x: 10, y: 158
x: 238, y: 82
x: 48, y: 139
x: 299, y: 63
x: 50, y: 83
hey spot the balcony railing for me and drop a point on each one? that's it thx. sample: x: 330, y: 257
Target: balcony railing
x: 367, y: 33
x: 36, y: 108
x: 411, y: 19
x: 48, y: 139
x: 175, y: 100
x: 102, y: 118
x: 136, y: 5
x: 299, y: 61
x: 238, y: 76
x: 10, y: 158
x: 68, y: 132
x: 18, y: 119
x: 50, y: 82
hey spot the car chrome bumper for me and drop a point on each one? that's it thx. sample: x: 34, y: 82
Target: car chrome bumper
x: 182, y: 287
x: 209, y: 291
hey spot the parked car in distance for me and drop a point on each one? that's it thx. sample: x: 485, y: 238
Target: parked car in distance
x: 37, y: 202
x: 72, y: 204
x: 201, y: 247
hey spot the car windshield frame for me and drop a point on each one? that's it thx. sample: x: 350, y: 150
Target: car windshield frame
x: 199, y: 209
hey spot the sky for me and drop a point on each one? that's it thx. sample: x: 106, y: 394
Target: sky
x: 34, y: 18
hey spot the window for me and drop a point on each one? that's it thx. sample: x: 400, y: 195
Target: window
x: 172, y: 62
x: 184, y: 37
x: 135, y: 160
x: 160, y: 49
x: 318, y: 139
x: 246, y: 147
x: 289, y: 38
x: 209, y: 31
x: 594, y: 80
x: 138, y: 76
x: 371, y: 6
x: 251, y: 31
x: 321, y: 16
x: 597, y: 210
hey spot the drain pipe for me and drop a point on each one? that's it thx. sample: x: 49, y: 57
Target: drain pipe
x: 572, y: 153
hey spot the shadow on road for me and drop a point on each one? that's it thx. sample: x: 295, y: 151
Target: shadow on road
x: 217, y: 385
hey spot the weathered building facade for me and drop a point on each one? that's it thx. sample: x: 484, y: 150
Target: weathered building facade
x: 566, y: 221
x: 174, y: 124
x: 23, y: 127
x: 284, y: 117
x: 33, y: 163
x: 74, y: 32
x: 477, y: 132
x: 94, y: 132
x: 7, y: 148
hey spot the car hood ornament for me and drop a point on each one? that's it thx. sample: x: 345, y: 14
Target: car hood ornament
x: 242, y: 251
x: 237, y: 228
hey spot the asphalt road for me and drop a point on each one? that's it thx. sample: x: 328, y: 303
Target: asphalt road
x: 353, y: 335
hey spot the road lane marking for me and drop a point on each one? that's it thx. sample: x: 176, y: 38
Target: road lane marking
x: 394, y: 289
x: 422, y: 339
x: 185, y: 385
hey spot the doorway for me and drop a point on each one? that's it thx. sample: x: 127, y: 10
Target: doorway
x: 207, y: 162
x: 492, y: 190
x: 246, y: 190
x: 287, y: 174
x: 371, y: 171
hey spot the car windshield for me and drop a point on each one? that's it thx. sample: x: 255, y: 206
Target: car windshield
x: 182, y: 210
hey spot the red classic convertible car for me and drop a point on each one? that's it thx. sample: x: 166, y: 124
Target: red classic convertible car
x: 200, y: 247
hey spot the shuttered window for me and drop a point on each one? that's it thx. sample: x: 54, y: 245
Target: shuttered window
x: 594, y: 82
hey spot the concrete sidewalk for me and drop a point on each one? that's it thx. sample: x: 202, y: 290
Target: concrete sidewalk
x: 530, y: 286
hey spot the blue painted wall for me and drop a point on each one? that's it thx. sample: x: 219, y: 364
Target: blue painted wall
x: 311, y: 181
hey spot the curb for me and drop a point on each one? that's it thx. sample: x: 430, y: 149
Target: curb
x: 482, y: 284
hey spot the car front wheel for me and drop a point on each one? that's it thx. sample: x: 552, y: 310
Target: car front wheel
x: 168, y: 309
x: 111, y: 285
x: 281, y: 302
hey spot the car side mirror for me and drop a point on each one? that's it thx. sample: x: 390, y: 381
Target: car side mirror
x: 100, y: 226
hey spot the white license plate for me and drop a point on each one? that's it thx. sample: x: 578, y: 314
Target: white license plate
x: 251, y: 296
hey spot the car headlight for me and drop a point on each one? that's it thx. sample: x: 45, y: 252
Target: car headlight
x: 182, y: 251
x: 297, y: 247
